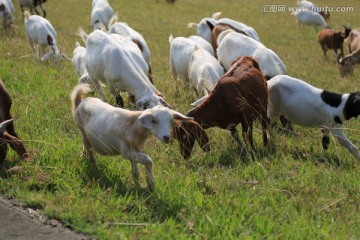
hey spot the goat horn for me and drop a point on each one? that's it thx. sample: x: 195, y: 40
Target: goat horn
x: 4, y: 125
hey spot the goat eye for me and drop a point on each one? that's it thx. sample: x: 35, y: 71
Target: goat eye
x: 154, y: 122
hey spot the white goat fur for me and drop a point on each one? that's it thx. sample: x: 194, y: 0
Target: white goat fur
x: 119, y: 62
x: 101, y: 14
x: 126, y: 31
x: 309, y: 18
x: 204, y: 71
x: 112, y: 131
x: 39, y: 32
x: 303, y: 104
x: 79, y: 63
x: 232, y: 45
x: 202, y: 43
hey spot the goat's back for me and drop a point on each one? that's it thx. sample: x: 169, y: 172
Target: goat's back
x: 38, y: 29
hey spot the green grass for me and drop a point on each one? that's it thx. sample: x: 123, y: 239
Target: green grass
x: 295, y: 192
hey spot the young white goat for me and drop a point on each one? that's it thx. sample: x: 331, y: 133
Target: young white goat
x: 7, y: 13
x: 232, y: 45
x: 204, y: 71
x: 112, y: 131
x: 308, y: 106
x: 40, y: 34
x: 118, y: 62
x: 79, y: 63
x: 101, y: 14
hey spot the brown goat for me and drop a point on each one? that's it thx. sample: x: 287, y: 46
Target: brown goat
x: 330, y: 39
x: 10, y: 136
x: 240, y: 96
x: 347, y: 62
x: 217, y: 29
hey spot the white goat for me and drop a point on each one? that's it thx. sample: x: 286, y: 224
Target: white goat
x: 309, y: 18
x: 101, y: 14
x: 32, y: 4
x: 119, y: 62
x: 308, y: 106
x: 126, y: 31
x: 232, y: 45
x: 204, y: 71
x: 79, y: 63
x: 112, y: 131
x: 40, y: 34
x: 202, y: 43
x: 7, y: 13
x: 181, y: 49
x: 203, y: 30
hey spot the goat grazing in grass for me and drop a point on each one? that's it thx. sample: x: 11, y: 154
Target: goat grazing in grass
x: 126, y: 31
x: 7, y: 129
x: 118, y: 61
x: 32, y: 4
x: 309, y: 106
x: 113, y: 131
x: 41, y: 34
x: 204, y: 71
x: 7, y: 14
x: 79, y: 63
x: 240, y: 96
x: 346, y: 63
x: 330, y: 39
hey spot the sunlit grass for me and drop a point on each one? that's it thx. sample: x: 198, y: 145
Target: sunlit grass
x: 295, y: 192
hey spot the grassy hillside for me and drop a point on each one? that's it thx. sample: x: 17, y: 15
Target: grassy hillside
x: 297, y: 192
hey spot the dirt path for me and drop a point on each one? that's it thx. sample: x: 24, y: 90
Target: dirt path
x: 17, y: 223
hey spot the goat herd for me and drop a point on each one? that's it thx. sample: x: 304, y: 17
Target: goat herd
x: 241, y: 80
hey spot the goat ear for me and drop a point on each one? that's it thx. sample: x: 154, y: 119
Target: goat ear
x: 200, y: 135
x: 16, y: 145
x: 179, y: 116
x: 211, y: 26
x: 4, y: 125
x: 145, y: 120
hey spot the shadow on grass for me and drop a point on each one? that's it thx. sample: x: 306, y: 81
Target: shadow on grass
x: 316, y: 157
x: 159, y: 210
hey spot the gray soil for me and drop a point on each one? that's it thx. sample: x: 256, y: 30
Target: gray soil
x: 18, y: 222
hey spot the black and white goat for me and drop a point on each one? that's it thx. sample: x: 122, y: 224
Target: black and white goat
x: 308, y: 106
x: 32, y: 4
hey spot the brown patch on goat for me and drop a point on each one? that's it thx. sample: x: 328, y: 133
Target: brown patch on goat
x: 217, y: 30
x: 49, y: 40
x: 2, y: 8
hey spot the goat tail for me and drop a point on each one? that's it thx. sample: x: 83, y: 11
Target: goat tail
x: 216, y: 15
x: 81, y: 33
x: 77, y: 95
x: 171, y: 38
x: 191, y: 25
x: 113, y: 19
x: 26, y: 16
